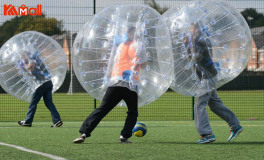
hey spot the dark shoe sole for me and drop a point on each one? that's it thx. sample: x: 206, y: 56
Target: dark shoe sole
x: 124, y: 141
x: 205, y: 142
x: 58, y: 124
x: 24, y: 125
x: 78, y: 140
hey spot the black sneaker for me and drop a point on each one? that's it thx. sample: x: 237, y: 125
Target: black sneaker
x: 124, y: 140
x: 80, y: 139
x: 58, y: 124
x: 22, y: 123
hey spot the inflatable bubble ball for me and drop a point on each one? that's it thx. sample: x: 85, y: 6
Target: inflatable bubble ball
x: 124, y: 45
x: 29, y: 59
x: 211, y: 43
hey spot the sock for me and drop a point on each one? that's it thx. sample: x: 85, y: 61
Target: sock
x: 84, y: 135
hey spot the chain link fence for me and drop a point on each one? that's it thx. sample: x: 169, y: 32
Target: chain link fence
x: 244, y: 95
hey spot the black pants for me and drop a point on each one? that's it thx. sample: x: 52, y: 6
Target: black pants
x: 111, y: 98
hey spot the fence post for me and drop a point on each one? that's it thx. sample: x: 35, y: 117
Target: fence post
x: 94, y: 9
x: 192, y: 108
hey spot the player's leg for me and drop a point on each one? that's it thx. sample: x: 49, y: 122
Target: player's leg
x: 47, y: 97
x: 216, y: 105
x: 32, y: 107
x: 131, y: 99
x: 201, y: 119
x: 111, y: 98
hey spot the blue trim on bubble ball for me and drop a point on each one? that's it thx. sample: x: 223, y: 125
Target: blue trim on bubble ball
x: 117, y: 40
x: 217, y: 66
x: 209, y: 62
x: 120, y: 39
x: 127, y: 75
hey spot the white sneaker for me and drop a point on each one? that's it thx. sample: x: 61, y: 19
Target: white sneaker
x: 124, y: 140
x: 23, y: 123
x: 80, y: 139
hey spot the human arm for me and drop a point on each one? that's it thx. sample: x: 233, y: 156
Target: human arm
x: 187, y: 42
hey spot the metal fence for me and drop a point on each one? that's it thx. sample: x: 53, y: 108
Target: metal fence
x: 244, y: 95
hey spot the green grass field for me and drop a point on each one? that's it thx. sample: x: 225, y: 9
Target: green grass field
x: 168, y: 140
x: 247, y: 105
x: 171, y: 132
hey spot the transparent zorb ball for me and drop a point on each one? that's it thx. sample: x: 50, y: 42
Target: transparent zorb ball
x: 211, y: 43
x: 29, y: 59
x: 128, y: 46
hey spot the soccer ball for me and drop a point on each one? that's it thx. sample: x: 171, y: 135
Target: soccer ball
x: 140, y: 129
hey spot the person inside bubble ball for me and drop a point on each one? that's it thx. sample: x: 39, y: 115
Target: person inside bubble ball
x: 33, y: 65
x: 123, y: 77
x: 199, y: 51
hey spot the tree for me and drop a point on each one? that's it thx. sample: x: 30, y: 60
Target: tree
x: 253, y: 18
x: 153, y: 4
x: 47, y: 26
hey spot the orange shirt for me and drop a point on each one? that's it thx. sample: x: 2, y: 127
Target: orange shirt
x: 127, y: 59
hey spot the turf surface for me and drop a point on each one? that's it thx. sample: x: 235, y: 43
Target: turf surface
x: 164, y: 140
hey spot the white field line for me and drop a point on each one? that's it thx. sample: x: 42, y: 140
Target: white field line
x: 32, y: 151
